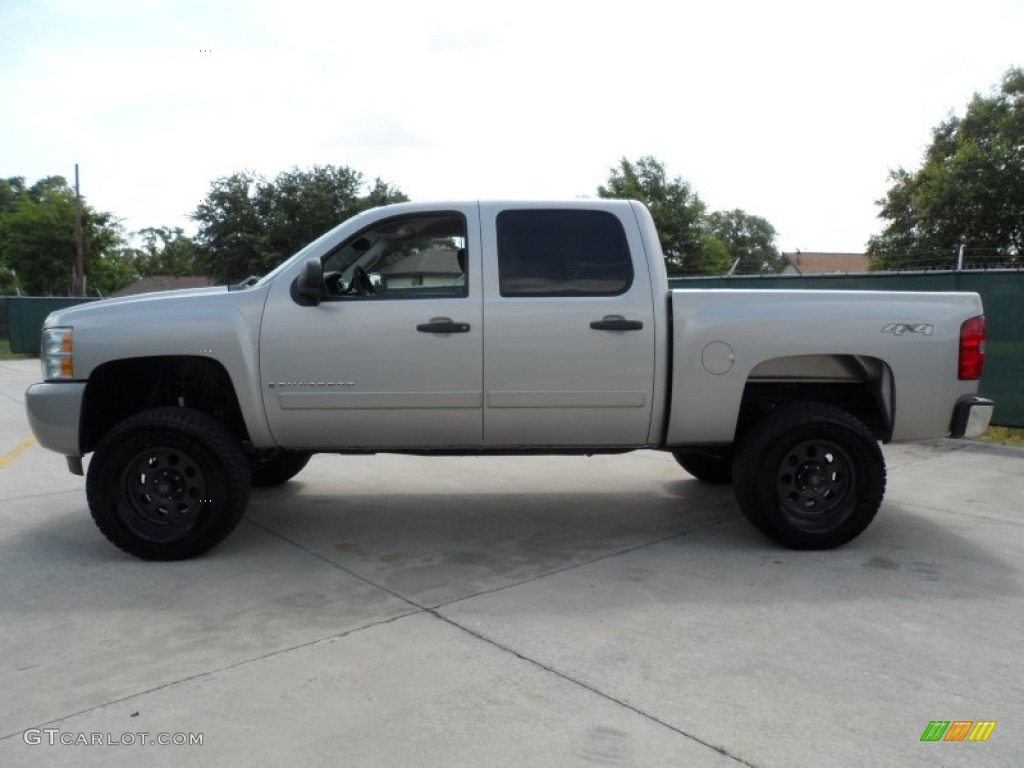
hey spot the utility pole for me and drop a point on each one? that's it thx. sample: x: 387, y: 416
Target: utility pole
x: 960, y: 257
x: 78, y: 276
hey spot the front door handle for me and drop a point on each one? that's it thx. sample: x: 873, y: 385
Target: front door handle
x: 616, y: 323
x: 442, y: 325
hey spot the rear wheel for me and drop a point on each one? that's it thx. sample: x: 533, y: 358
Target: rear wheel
x: 809, y: 476
x: 715, y: 469
x: 168, y: 484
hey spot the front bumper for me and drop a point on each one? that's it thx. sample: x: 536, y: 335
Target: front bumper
x: 54, y: 411
x: 971, y: 416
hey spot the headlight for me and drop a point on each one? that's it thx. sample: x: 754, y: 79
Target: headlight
x: 56, y: 354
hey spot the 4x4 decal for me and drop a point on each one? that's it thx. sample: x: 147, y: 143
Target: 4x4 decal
x: 898, y: 329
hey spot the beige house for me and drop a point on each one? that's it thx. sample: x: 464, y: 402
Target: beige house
x: 433, y: 267
x: 822, y: 263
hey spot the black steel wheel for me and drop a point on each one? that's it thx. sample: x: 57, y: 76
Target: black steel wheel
x: 809, y: 476
x: 270, y: 470
x: 168, y: 484
x: 812, y: 483
x: 164, y: 490
x: 712, y: 468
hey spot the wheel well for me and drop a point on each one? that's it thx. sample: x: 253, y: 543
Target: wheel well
x: 121, y: 388
x: 862, y: 386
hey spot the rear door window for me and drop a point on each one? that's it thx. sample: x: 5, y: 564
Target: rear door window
x: 562, y: 253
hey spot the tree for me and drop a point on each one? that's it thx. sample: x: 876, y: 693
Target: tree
x: 248, y: 225
x: 969, y: 189
x: 11, y: 191
x: 688, y: 245
x: 749, y: 238
x: 37, y: 238
x: 166, y: 251
x: 111, y: 273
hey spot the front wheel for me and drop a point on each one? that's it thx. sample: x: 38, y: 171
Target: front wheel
x: 168, y: 484
x: 809, y: 476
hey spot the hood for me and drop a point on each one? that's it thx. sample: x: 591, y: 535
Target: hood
x: 136, y: 303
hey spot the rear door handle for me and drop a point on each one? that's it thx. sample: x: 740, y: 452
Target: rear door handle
x: 616, y: 323
x: 442, y: 325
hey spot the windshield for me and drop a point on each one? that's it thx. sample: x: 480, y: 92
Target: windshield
x: 301, y: 254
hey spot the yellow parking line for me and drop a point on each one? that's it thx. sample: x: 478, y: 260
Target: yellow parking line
x: 15, y: 452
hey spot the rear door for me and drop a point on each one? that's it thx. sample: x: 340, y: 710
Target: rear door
x: 569, y: 317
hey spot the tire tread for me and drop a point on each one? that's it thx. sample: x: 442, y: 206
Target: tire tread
x: 196, y: 425
x: 752, y: 457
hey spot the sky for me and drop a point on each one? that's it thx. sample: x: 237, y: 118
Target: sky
x: 794, y: 111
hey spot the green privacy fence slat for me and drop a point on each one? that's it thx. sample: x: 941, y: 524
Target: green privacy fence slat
x: 1002, y: 293
x: 25, y: 316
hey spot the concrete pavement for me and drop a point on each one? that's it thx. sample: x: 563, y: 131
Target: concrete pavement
x: 402, y: 611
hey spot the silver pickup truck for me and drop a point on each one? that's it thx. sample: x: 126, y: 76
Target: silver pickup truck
x: 498, y: 328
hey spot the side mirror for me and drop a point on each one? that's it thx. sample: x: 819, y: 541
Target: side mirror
x: 309, y: 285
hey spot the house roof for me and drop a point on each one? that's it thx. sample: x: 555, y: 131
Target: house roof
x: 163, y: 283
x: 821, y: 262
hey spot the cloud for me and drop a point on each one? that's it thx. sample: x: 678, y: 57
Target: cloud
x: 791, y: 110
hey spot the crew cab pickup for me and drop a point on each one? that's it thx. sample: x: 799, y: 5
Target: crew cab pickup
x: 498, y: 328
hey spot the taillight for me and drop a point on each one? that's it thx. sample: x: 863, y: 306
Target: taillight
x: 972, y: 348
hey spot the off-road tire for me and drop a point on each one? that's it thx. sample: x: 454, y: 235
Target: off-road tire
x: 168, y: 484
x: 809, y: 476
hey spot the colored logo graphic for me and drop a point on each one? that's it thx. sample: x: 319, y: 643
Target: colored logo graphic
x: 958, y: 730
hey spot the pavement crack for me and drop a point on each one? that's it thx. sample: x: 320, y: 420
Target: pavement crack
x: 585, y: 563
x: 436, y: 613
x: 41, y: 495
x: 590, y: 688
x: 14, y: 400
x: 339, y: 566
x: 546, y: 574
x: 218, y: 670
x: 955, y: 512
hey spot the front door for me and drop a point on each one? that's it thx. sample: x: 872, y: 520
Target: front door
x: 393, y: 355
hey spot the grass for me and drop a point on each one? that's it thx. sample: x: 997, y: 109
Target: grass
x: 1004, y: 436
x: 6, y: 354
